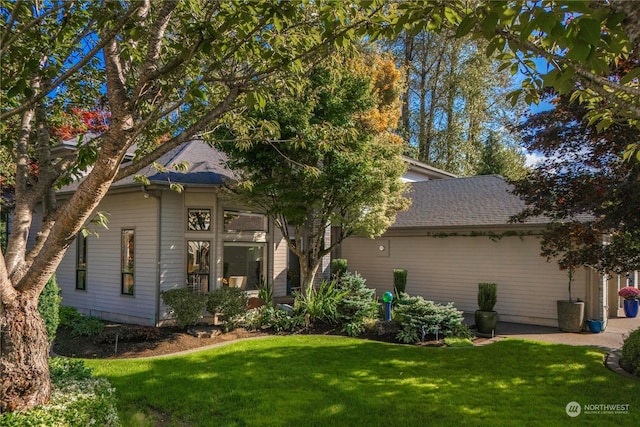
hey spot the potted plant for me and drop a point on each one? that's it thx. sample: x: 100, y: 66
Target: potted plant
x: 570, y: 313
x: 486, y: 318
x: 630, y: 303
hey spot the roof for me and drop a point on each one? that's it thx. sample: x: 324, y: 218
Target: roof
x: 425, y: 170
x: 462, y: 202
x: 206, y: 166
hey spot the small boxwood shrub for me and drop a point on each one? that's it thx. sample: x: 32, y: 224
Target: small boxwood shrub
x: 77, y: 399
x: 358, y: 303
x: 49, y: 307
x: 185, y: 304
x: 230, y: 302
x: 630, y: 357
x: 418, y: 317
x: 87, y: 326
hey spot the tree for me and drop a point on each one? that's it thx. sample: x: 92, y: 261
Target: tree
x: 501, y: 159
x: 590, y: 193
x: 165, y: 71
x: 571, y: 46
x: 335, y: 162
x: 454, y: 96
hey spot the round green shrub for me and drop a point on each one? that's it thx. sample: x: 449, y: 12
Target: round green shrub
x: 338, y: 267
x: 185, y: 304
x: 49, y: 307
x: 228, y: 301
x: 631, y: 352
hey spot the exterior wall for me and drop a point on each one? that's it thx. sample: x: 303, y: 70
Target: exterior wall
x: 449, y: 270
x: 103, y: 298
x: 279, y: 264
x: 172, y: 246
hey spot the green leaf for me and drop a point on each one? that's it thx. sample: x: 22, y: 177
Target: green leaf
x: 590, y: 30
x: 630, y: 75
x: 489, y: 25
x: 579, y: 50
x: 466, y: 25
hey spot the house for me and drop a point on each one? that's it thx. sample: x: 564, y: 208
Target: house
x: 159, y: 239
x: 457, y: 233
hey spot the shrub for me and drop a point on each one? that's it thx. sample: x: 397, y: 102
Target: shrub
x: 282, y: 320
x: 399, y: 281
x: 69, y: 316
x: 87, y: 326
x: 487, y: 296
x: 320, y: 304
x: 417, y: 317
x: 49, y: 307
x: 186, y: 305
x: 338, y: 267
x: 358, y: 304
x: 631, y: 352
x: 77, y: 399
x: 228, y: 301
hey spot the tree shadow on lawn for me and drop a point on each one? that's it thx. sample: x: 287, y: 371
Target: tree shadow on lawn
x: 301, y: 381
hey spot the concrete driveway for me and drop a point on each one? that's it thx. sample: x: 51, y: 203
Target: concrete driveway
x: 610, y: 339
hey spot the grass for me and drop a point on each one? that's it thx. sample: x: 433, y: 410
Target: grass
x: 333, y: 381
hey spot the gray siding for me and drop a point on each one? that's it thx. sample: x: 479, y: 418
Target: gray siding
x: 449, y: 270
x: 102, y: 297
x: 172, y: 245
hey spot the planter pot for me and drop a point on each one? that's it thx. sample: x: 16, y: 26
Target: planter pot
x: 596, y: 326
x: 570, y: 316
x: 486, y: 322
x: 631, y: 307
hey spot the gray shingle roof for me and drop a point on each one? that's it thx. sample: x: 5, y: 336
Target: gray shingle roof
x: 205, y: 166
x: 459, y: 202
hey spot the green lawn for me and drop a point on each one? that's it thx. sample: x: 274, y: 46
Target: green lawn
x: 333, y: 381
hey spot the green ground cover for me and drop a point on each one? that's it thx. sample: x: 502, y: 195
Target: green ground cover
x: 334, y: 381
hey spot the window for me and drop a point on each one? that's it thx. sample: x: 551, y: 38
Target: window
x: 244, y: 221
x: 198, y: 265
x: 244, y: 264
x: 128, y: 253
x: 81, y: 262
x: 199, y: 220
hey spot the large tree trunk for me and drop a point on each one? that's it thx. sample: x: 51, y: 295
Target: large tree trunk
x: 24, y: 355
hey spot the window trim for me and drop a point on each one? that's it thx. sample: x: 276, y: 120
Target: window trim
x: 124, y: 273
x: 244, y: 213
x: 264, y: 274
x: 208, y: 229
x: 81, y: 246
x: 209, y: 259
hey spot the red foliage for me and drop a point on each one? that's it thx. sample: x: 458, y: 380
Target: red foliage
x: 81, y: 121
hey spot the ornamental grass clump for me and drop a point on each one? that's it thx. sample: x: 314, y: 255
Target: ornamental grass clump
x: 629, y: 293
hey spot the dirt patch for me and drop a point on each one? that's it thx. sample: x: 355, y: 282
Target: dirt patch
x: 121, y: 341
x: 156, y: 342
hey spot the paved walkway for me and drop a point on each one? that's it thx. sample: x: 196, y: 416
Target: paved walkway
x: 610, y: 339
